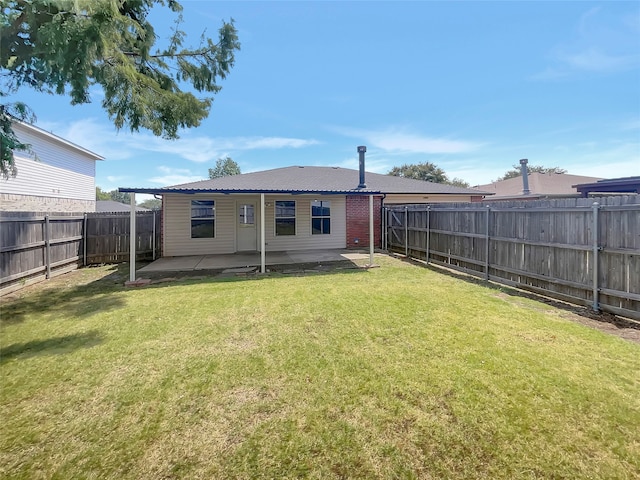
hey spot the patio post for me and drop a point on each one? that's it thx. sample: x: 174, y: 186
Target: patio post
x: 371, y: 234
x: 132, y: 239
x: 262, y: 235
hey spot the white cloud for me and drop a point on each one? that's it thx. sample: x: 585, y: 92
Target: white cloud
x: 398, y: 141
x: 603, y: 44
x: 595, y: 60
x: 103, y: 139
x: 174, y: 176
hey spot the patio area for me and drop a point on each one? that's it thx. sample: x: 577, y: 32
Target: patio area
x: 250, y: 260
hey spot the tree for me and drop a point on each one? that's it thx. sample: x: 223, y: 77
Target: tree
x: 67, y: 46
x: 517, y: 172
x: 114, y: 195
x: 224, y: 167
x: 426, y: 171
x: 9, y: 141
x: 152, y: 204
x: 102, y: 195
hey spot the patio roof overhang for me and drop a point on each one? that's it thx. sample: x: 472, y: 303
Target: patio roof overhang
x: 193, y: 191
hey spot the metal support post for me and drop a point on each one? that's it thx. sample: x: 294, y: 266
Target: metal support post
x: 132, y: 239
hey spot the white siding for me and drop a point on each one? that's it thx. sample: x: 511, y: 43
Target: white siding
x: 303, y: 239
x: 177, y: 225
x: 60, y: 170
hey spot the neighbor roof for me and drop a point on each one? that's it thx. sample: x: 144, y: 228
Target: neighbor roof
x: 300, y: 179
x: 611, y: 185
x: 113, y: 206
x: 539, y: 184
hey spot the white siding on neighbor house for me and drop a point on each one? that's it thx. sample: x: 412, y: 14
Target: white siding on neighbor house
x: 60, y: 170
x: 177, y: 239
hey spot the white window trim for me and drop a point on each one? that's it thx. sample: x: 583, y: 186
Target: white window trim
x: 295, y: 218
x: 312, y: 216
x: 191, y: 218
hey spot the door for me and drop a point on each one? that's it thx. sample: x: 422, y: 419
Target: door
x: 247, y: 232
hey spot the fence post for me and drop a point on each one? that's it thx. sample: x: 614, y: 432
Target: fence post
x: 153, y: 236
x: 406, y: 231
x: 428, y: 231
x: 486, y: 242
x: 596, y: 248
x: 47, y: 247
x: 384, y: 228
x: 84, y: 241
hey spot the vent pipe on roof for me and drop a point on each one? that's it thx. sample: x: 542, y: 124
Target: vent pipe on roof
x: 525, y: 177
x: 361, y: 150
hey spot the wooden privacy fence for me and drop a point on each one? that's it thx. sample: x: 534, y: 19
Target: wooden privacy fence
x: 36, y: 247
x: 581, y: 250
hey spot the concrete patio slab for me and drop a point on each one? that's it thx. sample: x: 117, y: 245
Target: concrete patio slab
x: 252, y: 259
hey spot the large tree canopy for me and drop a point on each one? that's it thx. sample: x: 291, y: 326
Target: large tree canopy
x: 517, y: 171
x: 428, y: 172
x: 67, y: 46
x: 224, y: 166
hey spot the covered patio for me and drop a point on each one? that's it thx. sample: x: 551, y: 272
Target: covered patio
x: 250, y: 260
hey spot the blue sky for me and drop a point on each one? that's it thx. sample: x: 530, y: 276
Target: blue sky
x: 470, y: 86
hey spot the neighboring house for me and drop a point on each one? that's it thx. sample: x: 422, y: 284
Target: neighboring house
x: 304, y: 208
x: 541, y: 185
x: 113, y: 206
x: 608, y: 186
x: 60, y: 177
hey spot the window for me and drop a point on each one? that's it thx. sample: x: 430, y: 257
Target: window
x: 246, y: 215
x: 321, y: 217
x: 203, y: 218
x: 285, y: 217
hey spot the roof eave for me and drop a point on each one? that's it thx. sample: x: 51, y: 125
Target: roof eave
x: 192, y: 191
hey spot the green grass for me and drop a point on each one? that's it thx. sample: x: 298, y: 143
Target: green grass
x: 395, y: 372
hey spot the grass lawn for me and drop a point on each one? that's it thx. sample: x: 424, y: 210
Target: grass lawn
x: 395, y: 372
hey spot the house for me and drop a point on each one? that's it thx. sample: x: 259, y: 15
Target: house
x: 609, y: 186
x: 540, y: 185
x: 291, y: 208
x: 113, y: 206
x: 60, y: 177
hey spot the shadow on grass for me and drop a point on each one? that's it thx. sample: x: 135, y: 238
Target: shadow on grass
x: 51, y: 346
x: 586, y: 312
x: 75, y: 296
x: 67, y: 296
x: 274, y: 272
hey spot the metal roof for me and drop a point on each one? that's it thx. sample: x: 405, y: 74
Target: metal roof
x: 312, y: 180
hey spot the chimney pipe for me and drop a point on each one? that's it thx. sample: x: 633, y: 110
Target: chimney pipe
x: 525, y: 176
x: 361, y: 150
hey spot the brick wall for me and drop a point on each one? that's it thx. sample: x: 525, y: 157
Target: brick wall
x: 31, y: 203
x: 358, y: 221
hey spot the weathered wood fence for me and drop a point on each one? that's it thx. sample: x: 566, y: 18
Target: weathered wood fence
x: 581, y: 250
x: 35, y: 247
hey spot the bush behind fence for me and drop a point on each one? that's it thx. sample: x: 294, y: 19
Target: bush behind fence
x: 581, y: 250
x: 37, y: 246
